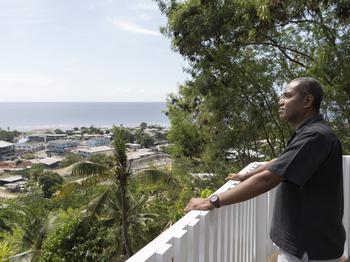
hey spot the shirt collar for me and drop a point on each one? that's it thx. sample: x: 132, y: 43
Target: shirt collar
x: 310, y: 120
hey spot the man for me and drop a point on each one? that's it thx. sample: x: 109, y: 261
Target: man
x: 307, y: 219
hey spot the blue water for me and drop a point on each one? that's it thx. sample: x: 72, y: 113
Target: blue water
x: 64, y: 115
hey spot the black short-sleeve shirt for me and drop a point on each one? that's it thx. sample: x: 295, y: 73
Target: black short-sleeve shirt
x: 309, y: 204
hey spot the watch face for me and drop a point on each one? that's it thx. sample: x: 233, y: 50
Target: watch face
x: 214, y: 198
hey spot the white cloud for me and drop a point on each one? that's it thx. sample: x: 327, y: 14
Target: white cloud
x: 130, y: 26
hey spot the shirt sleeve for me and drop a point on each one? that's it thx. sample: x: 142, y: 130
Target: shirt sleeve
x: 301, y: 158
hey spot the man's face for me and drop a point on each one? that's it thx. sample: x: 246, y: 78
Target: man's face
x: 291, y: 104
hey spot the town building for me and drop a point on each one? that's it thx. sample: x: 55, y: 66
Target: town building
x: 98, y: 141
x: 14, y: 183
x: 7, y: 151
x: 11, y: 179
x: 86, y: 152
x: 50, y: 162
x: 30, y: 147
x: 61, y: 146
x: 46, y: 137
x: 133, y: 146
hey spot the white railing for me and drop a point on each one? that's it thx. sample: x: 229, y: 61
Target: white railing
x: 236, y: 233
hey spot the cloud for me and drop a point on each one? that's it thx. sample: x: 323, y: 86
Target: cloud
x: 130, y: 26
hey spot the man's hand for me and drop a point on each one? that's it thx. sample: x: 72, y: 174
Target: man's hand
x: 234, y: 176
x: 198, y: 204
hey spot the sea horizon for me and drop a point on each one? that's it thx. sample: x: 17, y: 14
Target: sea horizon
x: 27, y: 116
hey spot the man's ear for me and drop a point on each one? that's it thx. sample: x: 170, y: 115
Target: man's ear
x: 308, y: 101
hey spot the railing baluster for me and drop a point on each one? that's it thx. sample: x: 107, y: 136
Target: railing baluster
x: 181, y: 246
x: 221, y: 243
x: 193, y: 241
x: 236, y: 228
x: 229, y: 232
x: 261, y: 227
x: 164, y: 254
x: 204, y: 237
x: 232, y: 232
x: 346, y: 171
x: 214, y: 232
x: 240, y: 232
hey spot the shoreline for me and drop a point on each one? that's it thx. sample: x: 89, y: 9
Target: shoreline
x: 52, y: 128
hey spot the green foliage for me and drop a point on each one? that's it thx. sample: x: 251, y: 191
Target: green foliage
x: 143, y: 126
x: 101, y: 159
x: 8, y: 136
x: 90, y: 130
x: 184, y: 134
x: 59, y: 131
x: 241, y: 54
x: 147, y: 141
x: 206, y: 193
x: 36, y: 170
x: 7, y: 213
x: 28, y: 156
x: 50, y: 183
x: 70, y: 159
x: 71, y: 241
x: 5, y: 250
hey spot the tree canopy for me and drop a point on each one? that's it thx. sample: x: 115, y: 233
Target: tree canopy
x: 240, y: 56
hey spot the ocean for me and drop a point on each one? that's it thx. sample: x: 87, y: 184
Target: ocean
x: 24, y: 116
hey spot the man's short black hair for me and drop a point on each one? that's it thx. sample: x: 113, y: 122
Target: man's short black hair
x: 310, y: 86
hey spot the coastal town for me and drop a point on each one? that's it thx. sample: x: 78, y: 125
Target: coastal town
x: 146, y: 147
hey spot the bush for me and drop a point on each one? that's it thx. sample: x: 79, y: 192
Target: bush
x: 72, y: 242
x: 50, y: 183
x: 70, y: 159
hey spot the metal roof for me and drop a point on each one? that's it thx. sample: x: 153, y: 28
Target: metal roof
x: 11, y: 179
x: 4, y: 144
x: 50, y: 161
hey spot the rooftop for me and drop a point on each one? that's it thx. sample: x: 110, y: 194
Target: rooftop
x: 4, y: 144
x: 96, y: 149
x: 11, y: 179
x: 48, y: 161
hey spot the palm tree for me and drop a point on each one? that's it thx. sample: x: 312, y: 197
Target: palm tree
x: 118, y: 172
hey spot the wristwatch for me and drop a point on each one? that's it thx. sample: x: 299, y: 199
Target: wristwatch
x: 215, y: 201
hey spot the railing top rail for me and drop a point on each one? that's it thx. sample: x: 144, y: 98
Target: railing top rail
x: 148, y: 250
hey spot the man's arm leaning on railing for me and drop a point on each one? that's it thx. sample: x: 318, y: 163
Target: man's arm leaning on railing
x: 245, y: 176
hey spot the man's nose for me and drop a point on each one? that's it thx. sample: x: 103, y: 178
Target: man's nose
x: 281, y: 101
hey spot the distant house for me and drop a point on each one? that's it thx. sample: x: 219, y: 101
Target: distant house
x: 133, y: 146
x: 98, y: 141
x: 51, y: 137
x: 89, y: 136
x: 46, y: 137
x: 11, y: 179
x: 50, y: 162
x: 30, y: 147
x: 37, y: 138
x: 7, y: 151
x: 16, y: 187
x: 86, y: 152
x: 13, y: 183
x: 61, y: 146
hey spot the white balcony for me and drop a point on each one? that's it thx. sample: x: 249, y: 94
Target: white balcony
x: 236, y: 233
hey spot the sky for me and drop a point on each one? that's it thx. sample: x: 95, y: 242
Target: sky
x: 84, y: 51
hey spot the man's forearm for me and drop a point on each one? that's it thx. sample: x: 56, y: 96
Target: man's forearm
x: 250, y: 188
x: 256, y: 171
